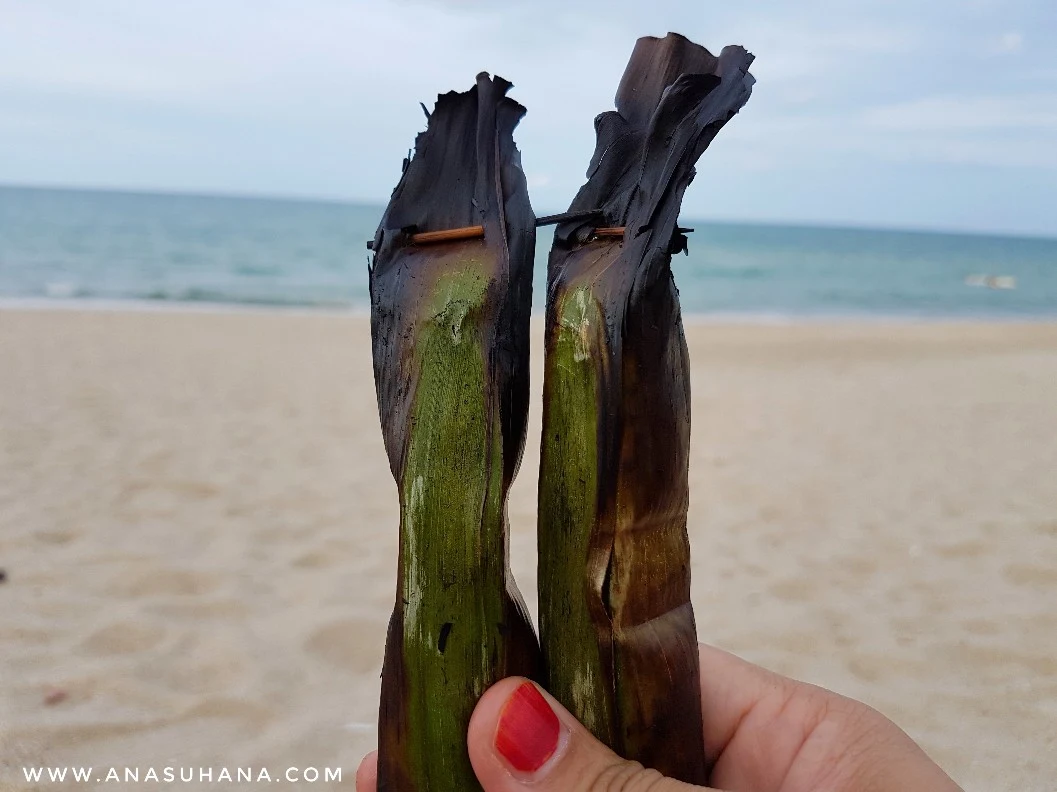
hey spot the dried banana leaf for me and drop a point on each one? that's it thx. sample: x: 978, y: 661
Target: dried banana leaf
x: 450, y: 325
x: 616, y: 624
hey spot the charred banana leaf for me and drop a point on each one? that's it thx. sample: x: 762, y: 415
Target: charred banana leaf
x: 616, y: 624
x: 449, y: 324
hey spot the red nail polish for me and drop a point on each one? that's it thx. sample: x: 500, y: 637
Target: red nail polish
x: 528, y: 730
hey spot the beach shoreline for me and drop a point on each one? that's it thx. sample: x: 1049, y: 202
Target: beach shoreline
x: 198, y: 530
x: 738, y: 318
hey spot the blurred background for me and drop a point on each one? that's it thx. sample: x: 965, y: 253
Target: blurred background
x: 866, y: 115
x: 198, y: 527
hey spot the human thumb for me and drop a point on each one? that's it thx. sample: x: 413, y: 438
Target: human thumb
x: 520, y: 738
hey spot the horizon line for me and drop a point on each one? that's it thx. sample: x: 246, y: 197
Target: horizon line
x: 367, y: 203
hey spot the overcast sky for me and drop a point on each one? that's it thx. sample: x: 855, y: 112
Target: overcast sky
x: 928, y: 114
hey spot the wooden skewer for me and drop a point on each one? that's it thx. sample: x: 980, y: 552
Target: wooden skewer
x: 618, y: 231
x: 450, y: 235
x: 566, y: 217
x: 477, y: 232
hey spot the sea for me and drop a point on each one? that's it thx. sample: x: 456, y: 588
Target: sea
x: 81, y: 247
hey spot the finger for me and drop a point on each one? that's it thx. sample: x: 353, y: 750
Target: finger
x: 730, y: 689
x: 367, y: 773
x: 520, y: 739
x: 765, y: 731
x: 757, y: 723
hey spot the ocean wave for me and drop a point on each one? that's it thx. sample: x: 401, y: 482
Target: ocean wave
x: 78, y: 246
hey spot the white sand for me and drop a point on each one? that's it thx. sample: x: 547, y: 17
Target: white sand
x: 198, y: 527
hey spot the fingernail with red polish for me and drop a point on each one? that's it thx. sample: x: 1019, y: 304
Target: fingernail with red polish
x: 528, y: 730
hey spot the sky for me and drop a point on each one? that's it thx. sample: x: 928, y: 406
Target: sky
x: 877, y: 113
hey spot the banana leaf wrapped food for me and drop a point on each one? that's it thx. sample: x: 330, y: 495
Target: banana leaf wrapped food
x: 449, y: 325
x: 617, y: 627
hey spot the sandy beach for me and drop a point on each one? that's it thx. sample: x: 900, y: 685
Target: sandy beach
x: 198, y: 534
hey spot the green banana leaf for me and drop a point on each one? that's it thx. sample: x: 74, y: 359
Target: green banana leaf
x: 450, y: 325
x: 617, y: 628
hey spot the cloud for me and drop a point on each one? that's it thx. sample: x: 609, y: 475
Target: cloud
x: 985, y: 131
x: 1009, y: 42
x: 321, y: 96
x: 967, y: 114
